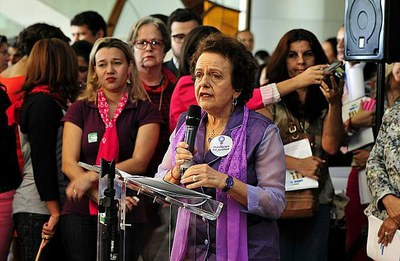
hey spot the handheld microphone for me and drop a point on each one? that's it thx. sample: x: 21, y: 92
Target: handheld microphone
x: 192, y: 123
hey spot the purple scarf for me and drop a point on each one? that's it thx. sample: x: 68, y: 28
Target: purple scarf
x: 231, y: 233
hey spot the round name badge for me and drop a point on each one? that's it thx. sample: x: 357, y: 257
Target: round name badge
x: 221, y: 145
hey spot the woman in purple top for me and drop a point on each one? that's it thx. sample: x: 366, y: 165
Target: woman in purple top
x: 111, y: 120
x: 248, y: 177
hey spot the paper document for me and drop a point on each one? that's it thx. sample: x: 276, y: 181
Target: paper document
x: 377, y: 251
x: 339, y: 177
x: 294, y: 181
x: 364, y: 136
x: 351, y: 108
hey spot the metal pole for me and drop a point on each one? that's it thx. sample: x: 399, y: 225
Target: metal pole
x: 380, y: 95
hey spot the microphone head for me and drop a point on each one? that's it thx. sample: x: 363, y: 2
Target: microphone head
x: 193, y: 116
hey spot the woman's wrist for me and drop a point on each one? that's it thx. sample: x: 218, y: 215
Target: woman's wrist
x: 173, y: 176
x: 177, y: 177
x: 93, y: 176
x: 348, y: 127
x: 336, y: 104
x: 56, y: 217
x: 386, y: 200
x: 397, y: 221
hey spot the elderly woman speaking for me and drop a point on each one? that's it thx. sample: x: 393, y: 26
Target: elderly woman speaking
x: 248, y: 177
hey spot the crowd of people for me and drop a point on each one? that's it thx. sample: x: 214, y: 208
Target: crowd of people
x: 92, y: 96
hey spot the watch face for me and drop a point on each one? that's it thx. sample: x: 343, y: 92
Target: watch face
x: 229, y: 184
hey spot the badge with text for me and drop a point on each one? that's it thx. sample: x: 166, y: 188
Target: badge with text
x: 92, y: 137
x: 221, y: 145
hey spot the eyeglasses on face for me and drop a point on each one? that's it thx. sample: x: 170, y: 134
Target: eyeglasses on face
x: 142, y: 44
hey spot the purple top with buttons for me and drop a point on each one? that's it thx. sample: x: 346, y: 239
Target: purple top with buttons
x: 266, y: 187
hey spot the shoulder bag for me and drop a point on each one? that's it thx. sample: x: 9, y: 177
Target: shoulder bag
x: 299, y: 203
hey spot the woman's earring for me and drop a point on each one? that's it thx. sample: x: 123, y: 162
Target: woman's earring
x: 128, y: 80
x: 234, y: 102
x: 92, y: 80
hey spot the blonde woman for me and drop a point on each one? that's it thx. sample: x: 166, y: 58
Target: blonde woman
x: 110, y: 120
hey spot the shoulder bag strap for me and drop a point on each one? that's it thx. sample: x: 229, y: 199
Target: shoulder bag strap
x: 292, y: 126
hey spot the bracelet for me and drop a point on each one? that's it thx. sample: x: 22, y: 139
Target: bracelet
x: 172, y: 176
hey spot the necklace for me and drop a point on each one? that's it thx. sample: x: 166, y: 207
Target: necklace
x: 213, y: 131
x: 161, y: 96
x: 161, y: 85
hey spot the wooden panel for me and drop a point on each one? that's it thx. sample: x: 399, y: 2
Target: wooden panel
x: 223, y: 18
x: 114, y: 16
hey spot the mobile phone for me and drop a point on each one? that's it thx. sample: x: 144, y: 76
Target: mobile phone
x: 337, y: 70
x: 332, y: 67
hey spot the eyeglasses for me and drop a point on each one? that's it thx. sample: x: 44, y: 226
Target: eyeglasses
x: 178, y: 38
x: 142, y: 44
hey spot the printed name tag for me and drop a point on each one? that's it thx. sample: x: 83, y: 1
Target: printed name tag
x: 221, y: 145
x: 92, y: 137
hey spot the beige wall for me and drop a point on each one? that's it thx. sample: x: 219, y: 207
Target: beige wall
x: 271, y: 19
x: 15, y: 15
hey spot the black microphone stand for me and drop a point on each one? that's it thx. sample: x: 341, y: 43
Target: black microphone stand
x: 108, y: 205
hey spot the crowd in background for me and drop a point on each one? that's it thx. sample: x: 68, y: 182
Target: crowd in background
x: 91, y: 96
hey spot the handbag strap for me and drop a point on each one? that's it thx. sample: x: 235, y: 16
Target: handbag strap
x: 293, y: 128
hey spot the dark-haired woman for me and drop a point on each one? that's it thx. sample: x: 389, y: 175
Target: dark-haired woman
x: 316, y: 111
x: 248, y: 178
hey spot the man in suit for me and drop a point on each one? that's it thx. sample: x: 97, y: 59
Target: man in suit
x: 180, y: 23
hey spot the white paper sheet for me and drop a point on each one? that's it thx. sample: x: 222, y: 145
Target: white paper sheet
x: 294, y: 181
x: 377, y: 251
x: 339, y: 177
x: 364, y: 136
x: 355, y: 80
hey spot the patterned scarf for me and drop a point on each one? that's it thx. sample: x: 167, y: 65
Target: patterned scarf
x: 109, y: 144
x: 231, y: 233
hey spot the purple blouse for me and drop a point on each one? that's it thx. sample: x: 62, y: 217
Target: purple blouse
x: 266, y: 185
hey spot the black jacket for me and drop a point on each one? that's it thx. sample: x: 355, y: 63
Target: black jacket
x: 10, y: 175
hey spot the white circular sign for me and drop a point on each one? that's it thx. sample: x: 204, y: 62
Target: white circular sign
x: 221, y: 145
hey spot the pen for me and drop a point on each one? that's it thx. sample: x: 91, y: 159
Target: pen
x: 382, y: 248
